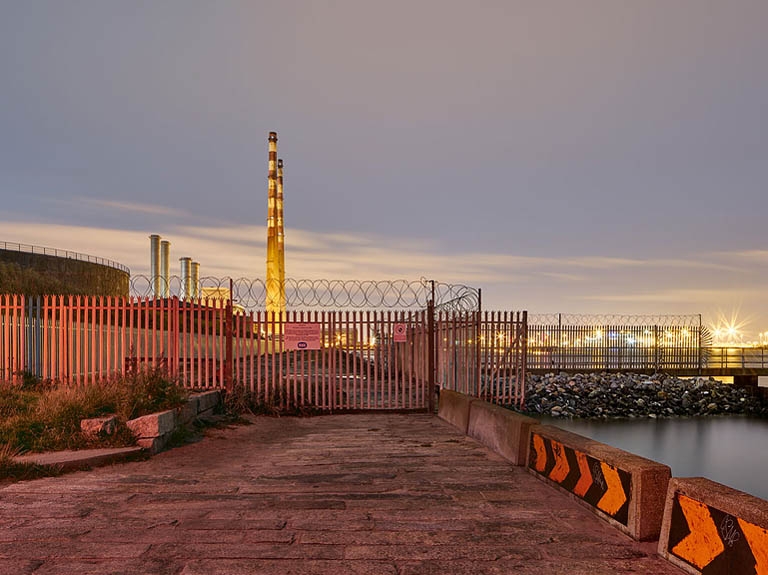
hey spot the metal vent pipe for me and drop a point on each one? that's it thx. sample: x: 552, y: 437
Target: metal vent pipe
x: 195, y: 280
x: 186, y: 278
x: 154, y: 264
x: 165, y: 268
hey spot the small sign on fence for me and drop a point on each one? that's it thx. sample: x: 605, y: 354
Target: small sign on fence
x: 401, y: 333
x: 300, y: 336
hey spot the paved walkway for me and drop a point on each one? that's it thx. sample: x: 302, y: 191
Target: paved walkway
x: 362, y: 494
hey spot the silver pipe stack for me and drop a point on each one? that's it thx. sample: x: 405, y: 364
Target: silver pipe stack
x: 154, y: 265
x: 165, y: 268
x: 186, y: 278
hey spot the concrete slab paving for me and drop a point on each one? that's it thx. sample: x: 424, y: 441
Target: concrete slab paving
x: 348, y: 494
x: 81, y: 459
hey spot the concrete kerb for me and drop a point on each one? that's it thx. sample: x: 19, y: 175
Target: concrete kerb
x: 153, y: 431
x: 626, y: 490
x: 711, y: 528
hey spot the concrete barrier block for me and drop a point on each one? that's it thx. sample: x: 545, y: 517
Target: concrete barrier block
x: 453, y: 407
x: 711, y: 528
x: 153, y: 425
x: 153, y: 444
x: 627, y: 490
x: 504, y: 431
x: 188, y: 412
x: 208, y: 400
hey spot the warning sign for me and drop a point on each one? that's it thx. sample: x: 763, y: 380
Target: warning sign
x: 400, y: 333
x: 302, y: 336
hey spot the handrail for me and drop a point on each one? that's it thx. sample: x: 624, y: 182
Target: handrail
x: 30, y: 249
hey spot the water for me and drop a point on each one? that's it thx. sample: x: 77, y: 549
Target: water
x: 729, y: 450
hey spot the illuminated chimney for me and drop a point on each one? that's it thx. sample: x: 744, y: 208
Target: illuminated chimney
x: 195, y: 280
x: 154, y: 264
x: 275, y: 285
x: 165, y: 267
x: 186, y: 278
x: 280, y: 229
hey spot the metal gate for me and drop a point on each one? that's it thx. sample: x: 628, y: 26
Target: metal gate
x: 363, y: 359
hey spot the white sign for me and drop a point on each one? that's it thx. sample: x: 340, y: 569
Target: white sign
x: 302, y: 336
x: 401, y: 333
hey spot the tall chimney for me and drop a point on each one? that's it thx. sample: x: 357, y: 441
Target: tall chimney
x: 186, y: 278
x: 154, y: 264
x: 195, y: 280
x: 165, y: 268
x: 275, y: 288
x: 280, y: 228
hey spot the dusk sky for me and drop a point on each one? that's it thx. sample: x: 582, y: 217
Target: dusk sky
x: 576, y: 156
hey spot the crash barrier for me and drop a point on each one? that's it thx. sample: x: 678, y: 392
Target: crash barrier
x: 453, y: 407
x: 712, y: 529
x: 503, y: 431
x: 625, y: 489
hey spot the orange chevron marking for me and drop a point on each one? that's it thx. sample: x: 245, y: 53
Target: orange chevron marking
x: 614, y: 496
x: 541, y: 453
x: 585, y: 481
x: 703, y: 543
x: 757, y: 537
x: 560, y: 470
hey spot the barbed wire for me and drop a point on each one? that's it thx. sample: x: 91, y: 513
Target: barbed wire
x: 691, y: 320
x: 313, y: 294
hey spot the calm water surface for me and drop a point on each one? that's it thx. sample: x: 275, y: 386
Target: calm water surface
x: 729, y: 450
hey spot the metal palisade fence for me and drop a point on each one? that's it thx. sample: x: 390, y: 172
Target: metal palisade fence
x: 353, y: 359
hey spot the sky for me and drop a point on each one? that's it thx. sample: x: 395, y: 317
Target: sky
x: 587, y: 156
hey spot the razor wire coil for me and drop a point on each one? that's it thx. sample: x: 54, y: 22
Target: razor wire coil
x: 553, y: 319
x: 314, y: 293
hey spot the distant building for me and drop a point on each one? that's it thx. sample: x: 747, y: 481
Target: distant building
x: 34, y: 270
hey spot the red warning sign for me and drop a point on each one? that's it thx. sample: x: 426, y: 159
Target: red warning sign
x: 400, y: 333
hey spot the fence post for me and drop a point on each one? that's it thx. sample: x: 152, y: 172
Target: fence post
x: 228, y: 341
x: 478, y: 329
x: 431, y: 354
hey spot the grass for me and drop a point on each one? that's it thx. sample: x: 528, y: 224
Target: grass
x: 14, y: 471
x: 40, y: 416
x: 240, y: 401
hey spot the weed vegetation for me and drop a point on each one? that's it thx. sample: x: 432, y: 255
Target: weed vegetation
x: 41, y: 416
x: 240, y: 401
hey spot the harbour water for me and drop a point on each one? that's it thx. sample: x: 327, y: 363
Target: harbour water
x: 730, y: 450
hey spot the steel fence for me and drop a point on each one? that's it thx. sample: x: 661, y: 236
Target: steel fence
x: 361, y: 359
x: 617, y: 347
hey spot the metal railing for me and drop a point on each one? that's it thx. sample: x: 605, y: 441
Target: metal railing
x: 737, y: 358
x: 30, y: 249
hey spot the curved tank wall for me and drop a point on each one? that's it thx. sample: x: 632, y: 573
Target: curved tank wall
x: 30, y: 273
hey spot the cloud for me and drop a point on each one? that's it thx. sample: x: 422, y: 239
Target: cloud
x: 151, y: 209
x: 586, y: 284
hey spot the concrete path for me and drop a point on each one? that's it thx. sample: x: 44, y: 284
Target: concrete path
x: 362, y: 494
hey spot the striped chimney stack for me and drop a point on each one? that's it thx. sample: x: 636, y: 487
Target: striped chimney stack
x: 275, y: 279
x: 280, y: 228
